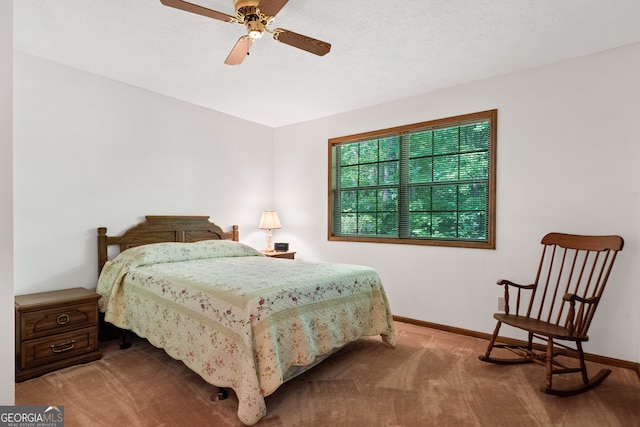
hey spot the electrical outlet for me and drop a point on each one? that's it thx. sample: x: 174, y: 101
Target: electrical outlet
x: 501, y: 303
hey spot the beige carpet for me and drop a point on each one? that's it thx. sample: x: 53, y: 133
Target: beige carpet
x: 432, y: 378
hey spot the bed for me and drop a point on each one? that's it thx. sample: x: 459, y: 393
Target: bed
x: 239, y: 319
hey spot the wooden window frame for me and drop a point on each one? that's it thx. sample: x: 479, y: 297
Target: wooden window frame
x: 490, y: 115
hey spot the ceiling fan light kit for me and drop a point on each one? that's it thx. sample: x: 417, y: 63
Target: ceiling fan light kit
x: 256, y: 16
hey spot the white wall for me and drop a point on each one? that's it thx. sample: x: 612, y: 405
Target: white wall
x: 93, y: 152
x: 568, y: 154
x: 6, y: 204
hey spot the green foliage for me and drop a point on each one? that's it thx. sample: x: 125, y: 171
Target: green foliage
x: 443, y: 194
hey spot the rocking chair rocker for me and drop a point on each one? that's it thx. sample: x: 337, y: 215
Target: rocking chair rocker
x: 571, y: 277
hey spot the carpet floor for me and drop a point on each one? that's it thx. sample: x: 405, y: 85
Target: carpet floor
x: 432, y: 378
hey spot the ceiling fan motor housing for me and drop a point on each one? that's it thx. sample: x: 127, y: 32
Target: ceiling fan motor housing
x: 245, y: 9
x: 247, y: 13
x: 245, y: 3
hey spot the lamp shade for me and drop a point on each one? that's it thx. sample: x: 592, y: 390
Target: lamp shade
x: 269, y: 220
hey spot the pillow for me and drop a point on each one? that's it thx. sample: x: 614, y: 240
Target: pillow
x: 156, y: 253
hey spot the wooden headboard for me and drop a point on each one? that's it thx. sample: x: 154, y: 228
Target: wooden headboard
x: 157, y: 229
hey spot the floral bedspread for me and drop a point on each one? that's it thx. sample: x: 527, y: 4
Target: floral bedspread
x: 237, y: 318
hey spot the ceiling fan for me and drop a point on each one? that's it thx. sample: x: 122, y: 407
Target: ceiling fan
x: 257, y: 16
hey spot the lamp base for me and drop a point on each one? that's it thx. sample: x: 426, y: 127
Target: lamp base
x: 269, y: 241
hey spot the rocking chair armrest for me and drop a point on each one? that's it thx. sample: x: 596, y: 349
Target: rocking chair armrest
x: 506, y: 282
x: 573, y: 297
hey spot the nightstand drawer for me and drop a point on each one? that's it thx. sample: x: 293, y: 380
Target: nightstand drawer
x: 42, y: 323
x: 59, y: 347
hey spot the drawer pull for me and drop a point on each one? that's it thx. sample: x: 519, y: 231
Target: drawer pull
x: 65, y: 346
x: 63, y: 319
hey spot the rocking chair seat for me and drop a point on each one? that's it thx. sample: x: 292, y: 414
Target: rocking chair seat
x: 538, y: 327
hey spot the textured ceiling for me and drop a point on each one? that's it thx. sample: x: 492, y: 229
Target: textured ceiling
x: 382, y: 50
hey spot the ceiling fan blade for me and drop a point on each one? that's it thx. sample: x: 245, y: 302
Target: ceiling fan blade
x: 314, y: 46
x: 239, y: 51
x: 271, y: 7
x: 199, y: 10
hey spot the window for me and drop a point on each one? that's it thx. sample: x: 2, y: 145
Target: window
x: 430, y: 183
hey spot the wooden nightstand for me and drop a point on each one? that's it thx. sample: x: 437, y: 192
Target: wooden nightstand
x: 55, y: 330
x: 287, y: 255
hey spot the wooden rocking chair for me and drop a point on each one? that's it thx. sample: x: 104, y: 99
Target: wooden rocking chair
x: 571, y: 277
